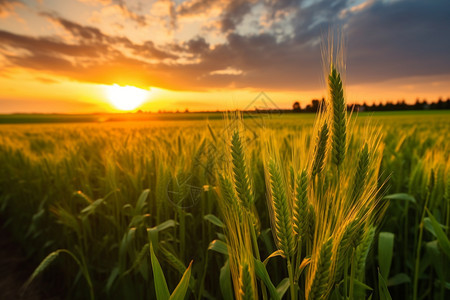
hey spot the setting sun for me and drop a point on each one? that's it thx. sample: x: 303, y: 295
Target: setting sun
x: 126, y: 97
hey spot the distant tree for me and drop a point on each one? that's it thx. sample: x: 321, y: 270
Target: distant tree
x: 364, y: 107
x: 401, y: 105
x: 296, y: 107
x: 389, y: 106
x: 308, y: 108
x: 417, y: 105
x: 315, y: 105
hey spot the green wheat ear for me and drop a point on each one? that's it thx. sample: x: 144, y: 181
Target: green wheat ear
x: 300, y: 216
x: 319, y: 285
x: 241, y: 178
x: 174, y: 261
x: 246, y: 288
x: 283, y: 221
x: 311, y: 222
x: 320, y: 151
x: 361, y: 173
x: 362, y: 251
x: 338, y: 110
x: 350, y: 239
x: 228, y: 194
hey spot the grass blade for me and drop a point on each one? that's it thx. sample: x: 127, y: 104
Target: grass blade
x: 161, y: 289
x: 180, y: 291
x: 385, y: 252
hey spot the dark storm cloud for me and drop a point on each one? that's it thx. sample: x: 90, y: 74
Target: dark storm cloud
x: 406, y: 38
x: 233, y: 11
x: 234, y: 14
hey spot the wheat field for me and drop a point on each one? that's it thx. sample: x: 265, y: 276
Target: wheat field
x: 277, y: 206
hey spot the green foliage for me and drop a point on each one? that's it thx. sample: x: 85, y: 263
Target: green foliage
x: 161, y: 289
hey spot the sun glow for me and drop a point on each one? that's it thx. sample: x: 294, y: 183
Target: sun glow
x: 126, y: 97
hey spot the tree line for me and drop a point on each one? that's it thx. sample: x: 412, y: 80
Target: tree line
x: 316, y: 104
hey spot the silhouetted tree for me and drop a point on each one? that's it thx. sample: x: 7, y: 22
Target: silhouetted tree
x: 296, y: 107
x: 315, y: 105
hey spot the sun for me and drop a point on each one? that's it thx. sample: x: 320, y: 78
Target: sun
x: 126, y: 97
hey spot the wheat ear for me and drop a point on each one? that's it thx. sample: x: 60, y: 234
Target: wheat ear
x: 339, y: 122
x: 362, y: 251
x: 320, y: 150
x: 361, y: 173
x: 319, y: 285
x: 246, y: 288
x: 241, y: 178
x: 349, y: 240
x: 282, y: 216
x: 300, y: 216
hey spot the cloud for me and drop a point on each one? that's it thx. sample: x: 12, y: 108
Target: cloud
x: 234, y: 14
x: 265, y: 63
x: 196, y: 7
x: 399, y: 39
x: 138, y: 18
x: 91, y: 35
x: 227, y: 71
x: 122, y: 8
x: 46, y: 46
x: 7, y: 7
x: 386, y: 40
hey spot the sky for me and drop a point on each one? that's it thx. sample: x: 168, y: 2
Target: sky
x: 64, y: 56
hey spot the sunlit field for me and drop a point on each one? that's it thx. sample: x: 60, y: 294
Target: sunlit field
x: 224, y: 208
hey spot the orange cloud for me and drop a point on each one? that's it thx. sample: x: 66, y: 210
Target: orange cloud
x: 7, y: 7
